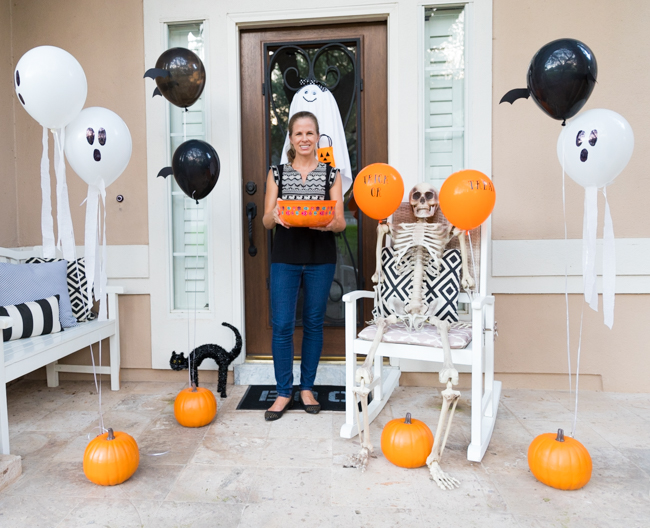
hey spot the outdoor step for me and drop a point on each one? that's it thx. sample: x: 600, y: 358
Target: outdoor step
x: 253, y: 373
x: 10, y: 469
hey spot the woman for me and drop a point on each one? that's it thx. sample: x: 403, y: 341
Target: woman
x: 300, y: 255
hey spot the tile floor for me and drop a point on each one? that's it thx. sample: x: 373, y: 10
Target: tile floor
x: 243, y: 471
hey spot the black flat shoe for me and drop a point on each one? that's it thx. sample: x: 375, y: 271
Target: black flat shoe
x: 271, y: 416
x: 310, y: 409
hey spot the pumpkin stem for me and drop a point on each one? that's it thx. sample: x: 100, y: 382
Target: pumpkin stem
x: 560, y: 435
x: 193, y: 387
x: 407, y: 420
x: 111, y: 436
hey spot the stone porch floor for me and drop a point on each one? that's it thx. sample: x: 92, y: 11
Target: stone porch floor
x: 243, y: 471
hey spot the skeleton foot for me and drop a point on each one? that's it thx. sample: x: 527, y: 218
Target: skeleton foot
x: 360, y: 460
x: 444, y: 480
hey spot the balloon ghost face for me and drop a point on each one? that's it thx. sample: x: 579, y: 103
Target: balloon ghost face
x: 51, y: 85
x: 595, y: 147
x: 98, y: 145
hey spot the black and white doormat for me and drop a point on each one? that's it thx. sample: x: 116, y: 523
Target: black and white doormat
x: 261, y: 397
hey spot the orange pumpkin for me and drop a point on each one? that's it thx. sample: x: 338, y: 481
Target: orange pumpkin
x: 195, y: 407
x: 406, y: 442
x: 558, y: 461
x: 111, y: 458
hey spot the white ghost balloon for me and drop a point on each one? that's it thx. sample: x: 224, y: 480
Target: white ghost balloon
x: 593, y: 149
x: 320, y: 102
x: 51, y: 85
x: 595, y: 146
x: 98, y: 145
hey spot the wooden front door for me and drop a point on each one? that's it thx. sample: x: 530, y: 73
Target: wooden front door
x: 346, y: 57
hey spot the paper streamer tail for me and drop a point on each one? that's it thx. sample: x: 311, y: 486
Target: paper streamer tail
x: 64, y: 218
x: 47, y: 222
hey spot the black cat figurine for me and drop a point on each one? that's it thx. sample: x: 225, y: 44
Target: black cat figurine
x: 220, y: 356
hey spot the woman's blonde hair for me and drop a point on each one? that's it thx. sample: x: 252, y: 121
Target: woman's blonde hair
x: 291, y: 153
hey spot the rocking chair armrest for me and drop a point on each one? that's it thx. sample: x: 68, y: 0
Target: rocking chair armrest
x: 358, y: 294
x: 115, y: 289
x: 482, y: 301
x: 5, y: 322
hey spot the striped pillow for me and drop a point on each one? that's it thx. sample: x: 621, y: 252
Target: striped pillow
x: 32, y: 318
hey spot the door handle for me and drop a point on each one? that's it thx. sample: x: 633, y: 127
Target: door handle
x: 251, y: 212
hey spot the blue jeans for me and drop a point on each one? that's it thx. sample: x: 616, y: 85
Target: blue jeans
x: 285, y: 284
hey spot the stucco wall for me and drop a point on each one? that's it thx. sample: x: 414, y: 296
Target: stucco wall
x: 8, y: 217
x: 529, y: 182
x: 107, y: 40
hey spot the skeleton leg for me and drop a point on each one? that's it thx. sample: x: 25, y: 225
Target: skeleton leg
x: 448, y: 371
x: 449, y: 399
x: 364, y: 378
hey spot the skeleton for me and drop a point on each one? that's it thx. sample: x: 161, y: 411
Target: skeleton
x: 418, y: 248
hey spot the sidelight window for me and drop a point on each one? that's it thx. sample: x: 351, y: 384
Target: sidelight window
x: 445, y: 92
x: 189, y: 220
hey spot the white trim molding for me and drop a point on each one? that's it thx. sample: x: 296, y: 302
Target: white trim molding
x: 538, y: 266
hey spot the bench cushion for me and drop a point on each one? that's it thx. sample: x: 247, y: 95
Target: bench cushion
x: 23, y: 283
x: 32, y: 319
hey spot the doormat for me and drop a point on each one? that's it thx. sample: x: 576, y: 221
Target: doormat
x: 261, y: 397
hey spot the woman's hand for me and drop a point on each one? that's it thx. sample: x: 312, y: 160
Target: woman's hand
x: 277, y: 218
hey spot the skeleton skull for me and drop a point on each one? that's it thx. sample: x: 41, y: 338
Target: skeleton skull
x: 424, y: 200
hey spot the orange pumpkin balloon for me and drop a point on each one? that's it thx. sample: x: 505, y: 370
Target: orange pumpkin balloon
x: 378, y: 190
x: 560, y: 462
x: 195, y: 407
x: 111, y: 458
x: 467, y: 198
x: 406, y: 442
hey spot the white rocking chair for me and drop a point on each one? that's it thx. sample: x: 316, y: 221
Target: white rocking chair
x: 477, y: 357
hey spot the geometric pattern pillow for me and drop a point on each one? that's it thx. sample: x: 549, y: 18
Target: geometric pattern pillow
x: 32, y: 318
x: 77, y: 287
x: 443, y: 286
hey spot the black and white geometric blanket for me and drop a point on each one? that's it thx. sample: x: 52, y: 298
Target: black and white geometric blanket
x: 444, y: 284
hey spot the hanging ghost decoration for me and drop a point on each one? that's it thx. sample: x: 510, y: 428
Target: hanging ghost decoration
x: 319, y: 101
x: 98, y: 150
x: 51, y: 85
x: 593, y: 150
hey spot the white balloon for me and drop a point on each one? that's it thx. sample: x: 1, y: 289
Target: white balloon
x: 51, y: 85
x: 98, y: 145
x: 595, y: 146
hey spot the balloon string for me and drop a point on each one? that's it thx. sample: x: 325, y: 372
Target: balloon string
x: 471, y: 250
x: 566, y: 270
x: 575, y: 412
x: 196, y: 264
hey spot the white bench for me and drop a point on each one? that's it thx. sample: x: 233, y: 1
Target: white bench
x: 22, y: 356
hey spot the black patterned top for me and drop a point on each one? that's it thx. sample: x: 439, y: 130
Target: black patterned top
x: 301, y: 245
x: 314, y: 188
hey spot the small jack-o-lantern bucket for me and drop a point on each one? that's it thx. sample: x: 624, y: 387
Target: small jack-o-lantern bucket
x: 326, y: 154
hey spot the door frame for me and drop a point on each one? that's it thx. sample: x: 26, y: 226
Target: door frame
x: 266, y: 19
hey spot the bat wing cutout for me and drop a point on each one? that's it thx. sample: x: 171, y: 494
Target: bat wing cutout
x: 165, y: 171
x: 156, y: 92
x: 513, y: 95
x: 156, y: 72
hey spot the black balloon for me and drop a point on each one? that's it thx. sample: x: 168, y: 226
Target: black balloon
x: 196, y: 168
x: 561, y: 77
x: 186, y: 79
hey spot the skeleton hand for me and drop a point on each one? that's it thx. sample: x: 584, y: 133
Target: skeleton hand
x: 467, y: 282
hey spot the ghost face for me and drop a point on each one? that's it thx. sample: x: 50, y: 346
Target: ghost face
x: 309, y: 94
x: 98, y: 145
x: 595, y: 147
x: 51, y: 86
x: 304, y: 138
